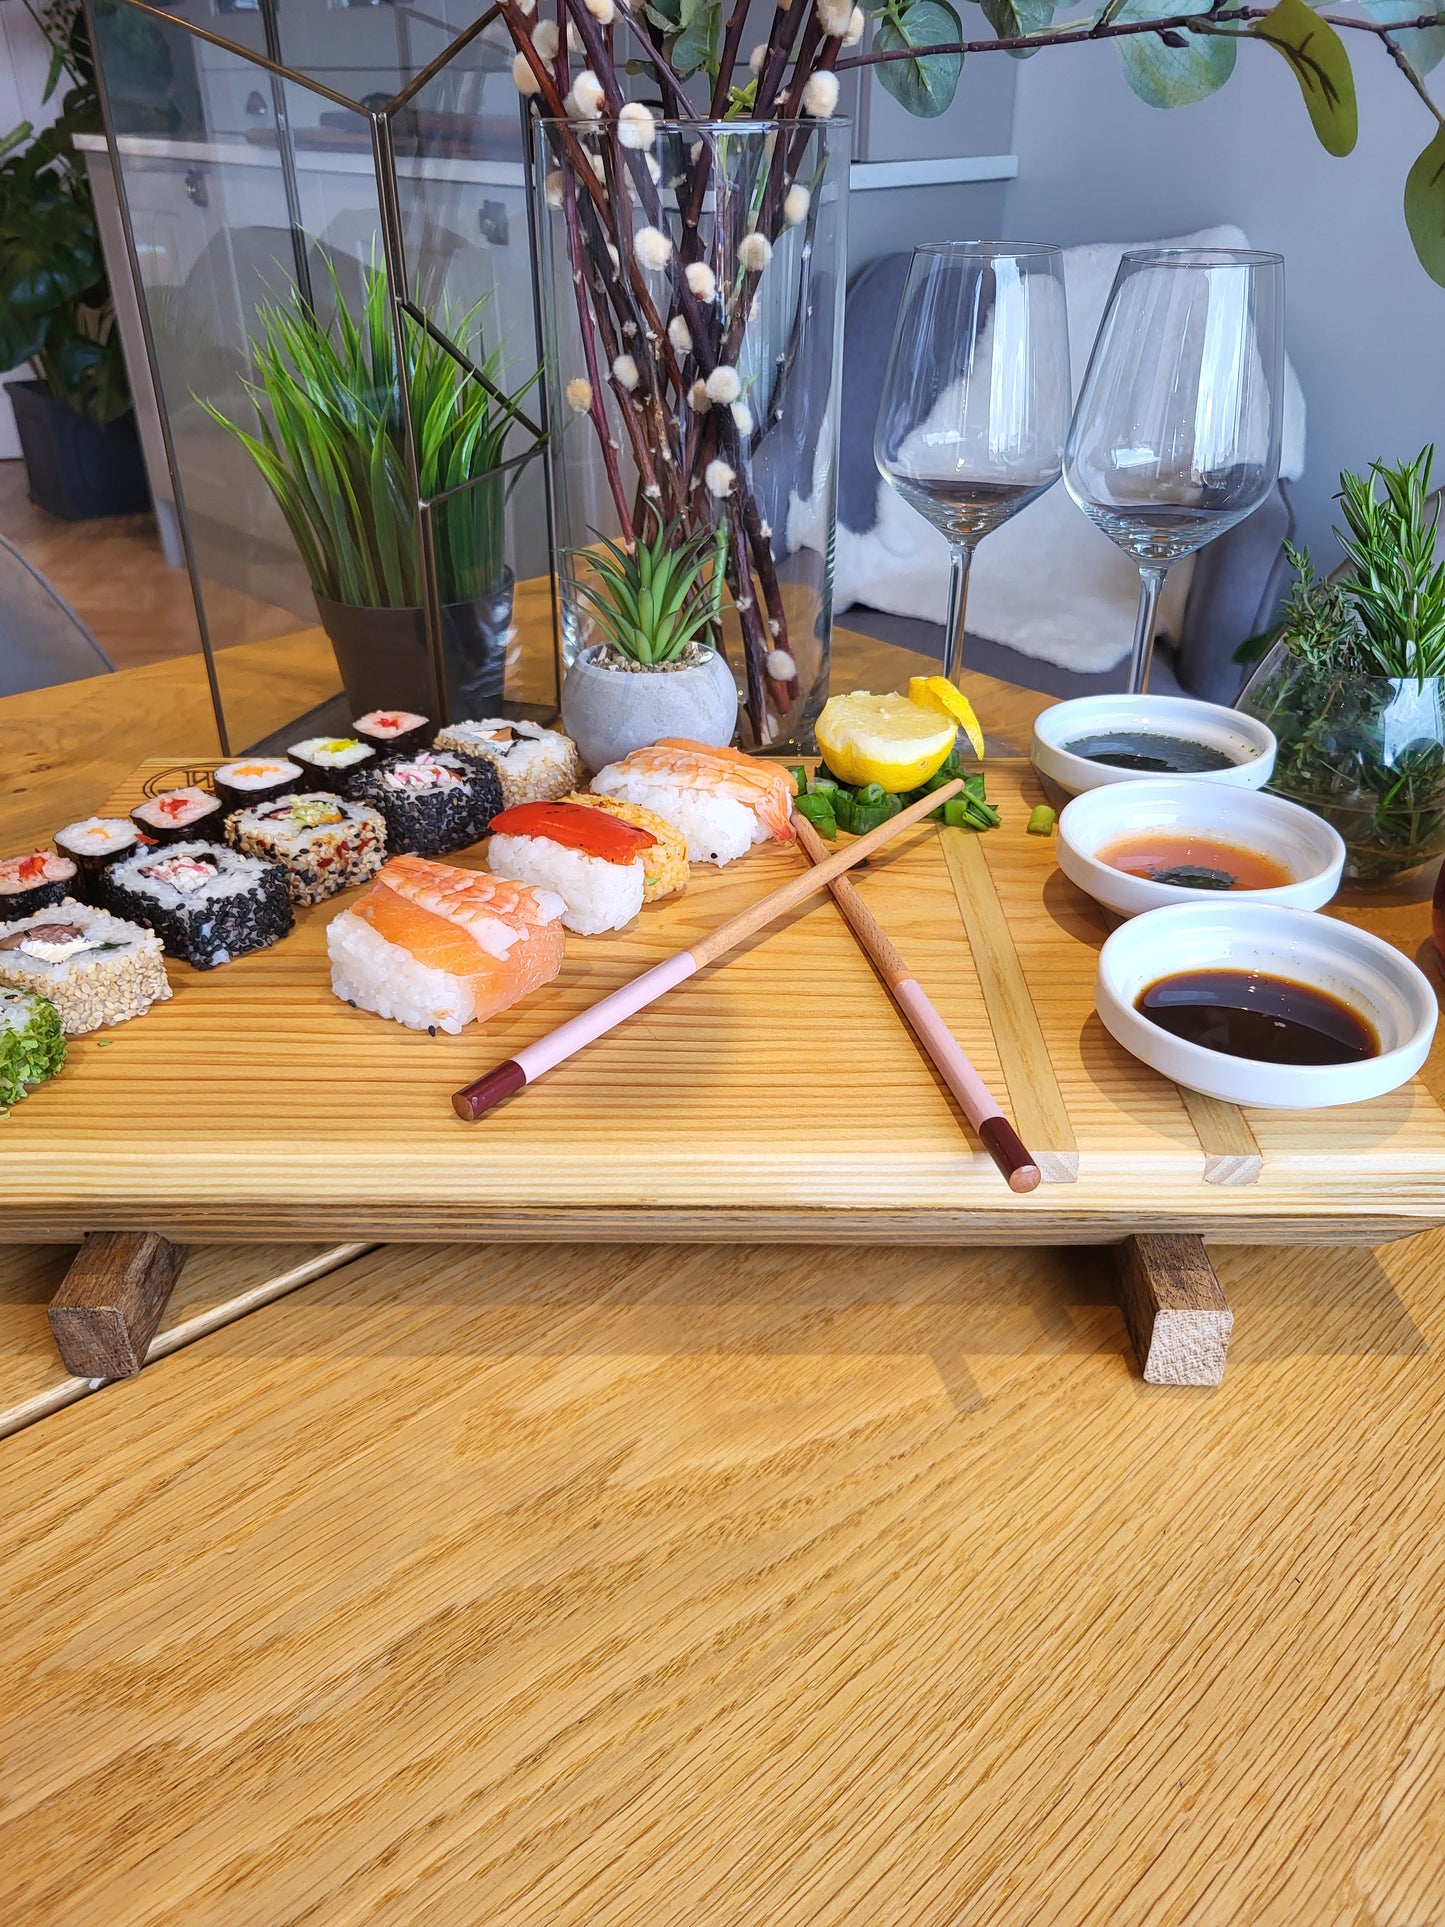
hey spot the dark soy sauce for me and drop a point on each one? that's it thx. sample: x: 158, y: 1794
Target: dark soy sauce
x: 1147, y: 749
x: 1269, y: 1019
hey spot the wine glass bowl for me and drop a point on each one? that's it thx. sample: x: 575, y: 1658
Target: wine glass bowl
x: 976, y: 399
x: 1176, y: 436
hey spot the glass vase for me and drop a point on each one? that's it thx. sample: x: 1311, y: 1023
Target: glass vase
x: 691, y: 287
x: 1367, y: 753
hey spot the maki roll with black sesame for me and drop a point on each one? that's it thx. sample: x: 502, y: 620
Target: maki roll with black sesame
x: 433, y: 802
x: 207, y: 904
x: 31, y: 883
x: 251, y: 779
x: 394, y: 732
x: 332, y: 763
x: 178, y: 816
x: 324, y: 843
x: 95, y: 845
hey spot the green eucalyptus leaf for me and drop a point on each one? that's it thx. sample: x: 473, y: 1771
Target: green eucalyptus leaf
x: 1318, y: 60
x: 1010, y: 18
x: 696, y: 48
x: 1174, y: 75
x: 924, y: 86
x: 1425, y: 207
x: 1423, y: 47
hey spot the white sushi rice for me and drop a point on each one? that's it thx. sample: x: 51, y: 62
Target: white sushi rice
x: 599, y: 895
x: 718, y: 828
x: 379, y: 976
x: 533, y: 765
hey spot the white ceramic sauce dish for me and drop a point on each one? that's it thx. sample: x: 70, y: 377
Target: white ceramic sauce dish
x: 1303, y: 843
x: 1369, y: 975
x: 1248, y: 745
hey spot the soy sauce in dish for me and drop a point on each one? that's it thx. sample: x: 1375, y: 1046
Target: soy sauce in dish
x: 1150, y: 750
x: 1194, y: 860
x: 1246, y: 1013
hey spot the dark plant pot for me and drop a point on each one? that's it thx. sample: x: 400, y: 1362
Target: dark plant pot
x: 385, y: 662
x: 77, y: 469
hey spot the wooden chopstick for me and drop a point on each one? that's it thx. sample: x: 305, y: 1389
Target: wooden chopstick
x: 534, y: 1060
x: 995, y: 1133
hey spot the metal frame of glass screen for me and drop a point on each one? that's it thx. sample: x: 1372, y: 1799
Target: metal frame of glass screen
x: 403, y: 308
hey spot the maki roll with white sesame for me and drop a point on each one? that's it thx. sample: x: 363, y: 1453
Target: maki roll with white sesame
x: 35, y: 882
x: 32, y: 1044
x: 332, y: 763
x: 251, y: 779
x: 533, y: 765
x: 394, y: 732
x: 433, y: 802
x: 95, y: 845
x: 323, y: 843
x: 207, y: 904
x: 178, y: 816
x: 95, y: 968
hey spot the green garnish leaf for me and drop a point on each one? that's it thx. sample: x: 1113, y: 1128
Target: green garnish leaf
x: 819, y: 811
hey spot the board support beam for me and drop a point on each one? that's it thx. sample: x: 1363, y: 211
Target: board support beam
x: 1175, y: 1308
x: 114, y: 1295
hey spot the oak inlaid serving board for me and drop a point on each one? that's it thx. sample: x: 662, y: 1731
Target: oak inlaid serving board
x: 779, y: 1095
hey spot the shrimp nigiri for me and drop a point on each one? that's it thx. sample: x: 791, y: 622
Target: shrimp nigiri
x: 721, y: 800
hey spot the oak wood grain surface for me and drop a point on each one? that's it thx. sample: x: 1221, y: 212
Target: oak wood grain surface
x: 604, y: 1588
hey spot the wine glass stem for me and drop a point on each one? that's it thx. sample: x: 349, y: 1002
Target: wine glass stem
x: 1151, y: 581
x: 957, y: 611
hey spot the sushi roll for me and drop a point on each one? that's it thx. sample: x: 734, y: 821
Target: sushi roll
x: 436, y: 947
x: 243, y: 784
x: 596, y: 863
x: 207, y: 904
x: 433, y: 803
x: 323, y: 843
x: 95, y: 845
x: 394, y: 732
x: 722, y: 801
x: 32, y: 1044
x: 664, y: 866
x: 96, y: 969
x: 331, y: 763
x: 31, y: 883
x: 176, y: 815
x: 533, y: 765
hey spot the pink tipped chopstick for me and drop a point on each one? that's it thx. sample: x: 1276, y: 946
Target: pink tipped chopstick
x: 534, y: 1060
x: 995, y: 1133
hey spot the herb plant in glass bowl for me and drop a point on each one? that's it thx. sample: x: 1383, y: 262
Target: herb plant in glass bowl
x: 1354, y: 685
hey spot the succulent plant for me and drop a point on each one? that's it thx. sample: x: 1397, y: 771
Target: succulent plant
x: 655, y: 600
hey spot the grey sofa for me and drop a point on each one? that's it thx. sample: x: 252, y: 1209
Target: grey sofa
x: 1238, y: 578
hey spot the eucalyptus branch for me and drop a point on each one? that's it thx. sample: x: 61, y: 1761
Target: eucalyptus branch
x: 1407, y: 68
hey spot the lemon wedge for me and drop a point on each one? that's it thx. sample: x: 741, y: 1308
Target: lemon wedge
x: 884, y: 739
x: 937, y: 692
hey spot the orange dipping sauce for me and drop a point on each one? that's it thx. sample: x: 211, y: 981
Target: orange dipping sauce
x: 1194, y: 861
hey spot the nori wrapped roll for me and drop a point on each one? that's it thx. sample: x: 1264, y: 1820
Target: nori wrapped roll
x: 95, y: 845
x: 207, y: 904
x: 35, y: 882
x: 433, y: 802
x: 32, y: 1044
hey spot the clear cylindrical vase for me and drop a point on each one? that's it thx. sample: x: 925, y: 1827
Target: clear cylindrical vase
x: 692, y: 296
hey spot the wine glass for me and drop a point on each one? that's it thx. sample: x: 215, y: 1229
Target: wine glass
x: 1176, y: 434
x: 976, y: 399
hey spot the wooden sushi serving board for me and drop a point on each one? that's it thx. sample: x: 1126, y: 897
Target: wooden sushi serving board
x: 777, y: 1096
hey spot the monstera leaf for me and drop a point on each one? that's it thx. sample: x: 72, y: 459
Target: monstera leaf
x: 925, y: 85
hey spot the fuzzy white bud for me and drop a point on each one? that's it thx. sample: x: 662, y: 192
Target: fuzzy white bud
x: 585, y: 100
x: 653, y: 168
x: 652, y: 248
x: 546, y: 39
x: 781, y: 666
x: 857, y: 21
x: 755, y: 251
x: 834, y: 16
x: 680, y: 335
x: 796, y: 203
x: 702, y: 280
x: 697, y: 399
x: 724, y: 384
x: 635, y: 126
x: 743, y: 418
x: 598, y: 166
x: 719, y: 478
x: 625, y: 370
x: 574, y: 39
x: 525, y: 81
x: 527, y: 6
x: 820, y: 96
x: 579, y: 394
x: 613, y: 256
x: 554, y: 188
x: 756, y: 58
x: 604, y: 12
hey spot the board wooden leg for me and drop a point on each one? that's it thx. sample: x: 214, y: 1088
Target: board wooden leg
x: 1175, y: 1308
x: 105, y: 1314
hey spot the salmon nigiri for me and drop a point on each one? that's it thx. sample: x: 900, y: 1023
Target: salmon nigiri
x: 722, y: 800
x: 435, y: 946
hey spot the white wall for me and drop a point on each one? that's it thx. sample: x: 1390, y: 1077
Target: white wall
x: 1365, y: 324
x: 24, y: 59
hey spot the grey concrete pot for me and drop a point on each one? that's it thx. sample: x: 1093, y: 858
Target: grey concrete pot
x: 608, y: 713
